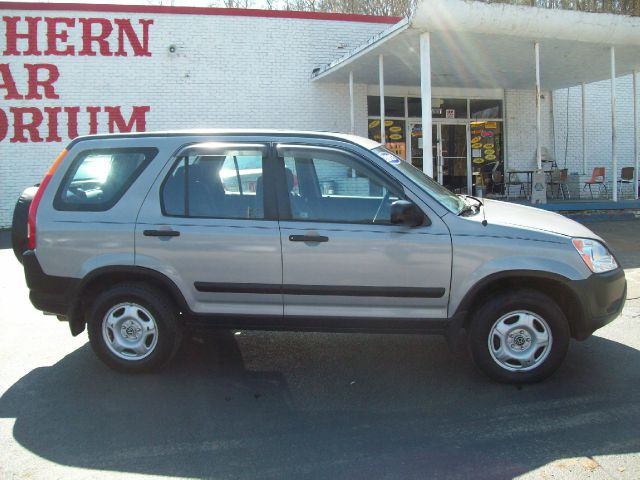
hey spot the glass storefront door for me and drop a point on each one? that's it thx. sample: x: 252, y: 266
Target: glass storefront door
x: 453, y: 156
x: 449, y: 154
x: 416, y: 148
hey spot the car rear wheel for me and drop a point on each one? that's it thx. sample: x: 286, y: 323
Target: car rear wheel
x: 519, y: 337
x: 133, y: 328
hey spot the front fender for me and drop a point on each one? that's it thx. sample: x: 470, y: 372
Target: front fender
x: 477, y: 259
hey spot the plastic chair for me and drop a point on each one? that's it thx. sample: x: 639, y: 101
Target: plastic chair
x: 548, y: 162
x: 597, y: 178
x: 517, y: 181
x: 626, y: 176
x: 497, y: 180
x: 559, y: 178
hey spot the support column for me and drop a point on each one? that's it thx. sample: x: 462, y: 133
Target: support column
x: 614, y: 160
x: 584, y: 130
x: 536, y: 49
x: 425, y: 93
x: 636, y: 153
x: 383, y: 140
x: 351, y: 107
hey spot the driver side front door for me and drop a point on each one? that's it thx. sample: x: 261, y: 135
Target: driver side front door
x: 341, y: 255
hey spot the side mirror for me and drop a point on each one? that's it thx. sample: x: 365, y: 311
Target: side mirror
x: 407, y: 213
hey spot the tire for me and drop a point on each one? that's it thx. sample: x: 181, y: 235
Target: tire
x: 133, y: 328
x: 519, y: 337
x: 19, y: 228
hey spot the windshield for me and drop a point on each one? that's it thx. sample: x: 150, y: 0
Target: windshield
x: 447, y: 199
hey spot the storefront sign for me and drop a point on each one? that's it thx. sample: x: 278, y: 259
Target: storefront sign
x: 450, y: 113
x: 94, y: 37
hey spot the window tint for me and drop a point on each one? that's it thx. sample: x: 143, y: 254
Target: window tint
x: 486, y: 108
x: 225, y: 184
x: 415, y: 106
x: 97, y: 179
x: 393, y: 106
x: 328, y: 186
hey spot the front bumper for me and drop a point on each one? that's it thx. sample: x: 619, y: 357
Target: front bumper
x: 602, y: 297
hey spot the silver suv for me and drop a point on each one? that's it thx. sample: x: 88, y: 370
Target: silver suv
x: 140, y: 236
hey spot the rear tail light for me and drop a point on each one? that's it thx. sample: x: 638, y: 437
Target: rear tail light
x: 33, y: 208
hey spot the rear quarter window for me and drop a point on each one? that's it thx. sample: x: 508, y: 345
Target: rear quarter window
x: 98, y: 178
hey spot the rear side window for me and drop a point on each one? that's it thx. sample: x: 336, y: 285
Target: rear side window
x: 97, y: 179
x: 224, y: 184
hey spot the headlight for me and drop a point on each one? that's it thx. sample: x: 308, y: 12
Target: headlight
x: 595, y: 255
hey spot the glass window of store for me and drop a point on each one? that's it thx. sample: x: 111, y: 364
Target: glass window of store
x: 487, y: 140
x: 403, y: 130
x: 394, y: 124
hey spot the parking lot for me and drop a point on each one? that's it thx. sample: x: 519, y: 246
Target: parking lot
x: 341, y: 406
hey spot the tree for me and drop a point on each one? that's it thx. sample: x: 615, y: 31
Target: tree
x: 398, y: 8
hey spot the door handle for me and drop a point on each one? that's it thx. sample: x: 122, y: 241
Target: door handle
x: 308, y: 238
x: 161, y: 233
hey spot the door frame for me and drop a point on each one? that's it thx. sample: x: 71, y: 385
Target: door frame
x: 440, y: 159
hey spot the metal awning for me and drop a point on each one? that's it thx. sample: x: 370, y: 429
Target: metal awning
x: 480, y: 45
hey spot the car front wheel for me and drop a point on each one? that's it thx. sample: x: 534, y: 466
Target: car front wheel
x: 519, y: 337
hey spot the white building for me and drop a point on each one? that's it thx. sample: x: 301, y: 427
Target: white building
x: 69, y: 70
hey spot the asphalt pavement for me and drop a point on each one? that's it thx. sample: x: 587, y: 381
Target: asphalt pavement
x: 303, y: 405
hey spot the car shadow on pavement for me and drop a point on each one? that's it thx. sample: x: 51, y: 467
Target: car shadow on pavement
x: 325, y: 406
x: 5, y: 239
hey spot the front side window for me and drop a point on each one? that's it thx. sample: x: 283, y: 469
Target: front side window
x: 444, y: 197
x: 98, y: 178
x: 329, y: 186
x: 221, y: 184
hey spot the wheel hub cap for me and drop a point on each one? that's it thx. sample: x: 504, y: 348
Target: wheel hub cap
x: 520, y: 341
x: 130, y: 331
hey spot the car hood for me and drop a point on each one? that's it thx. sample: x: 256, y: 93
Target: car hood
x: 530, y: 218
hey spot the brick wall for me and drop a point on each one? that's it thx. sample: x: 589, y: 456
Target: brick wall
x: 520, y: 109
x: 226, y: 71
x: 568, y: 126
x: 562, y: 128
x: 238, y: 71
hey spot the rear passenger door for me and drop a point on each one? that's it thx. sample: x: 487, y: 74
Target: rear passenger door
x: 209, y: 223
x: 342, y: 257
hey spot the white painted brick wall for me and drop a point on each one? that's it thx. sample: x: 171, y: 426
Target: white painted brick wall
x: 227, y: 71
x: 521, y: 127
x: 562, y: 129
x: 255, y: 72
x: 568, y: 126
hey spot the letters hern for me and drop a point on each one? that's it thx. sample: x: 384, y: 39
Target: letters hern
x: 21, y: 36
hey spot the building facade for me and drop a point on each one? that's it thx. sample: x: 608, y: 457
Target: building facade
x: 69, y: 70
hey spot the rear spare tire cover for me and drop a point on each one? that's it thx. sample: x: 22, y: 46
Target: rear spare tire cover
x: 20, y: 222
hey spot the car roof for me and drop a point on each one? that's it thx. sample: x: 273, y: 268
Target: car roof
x: 363, y: 142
